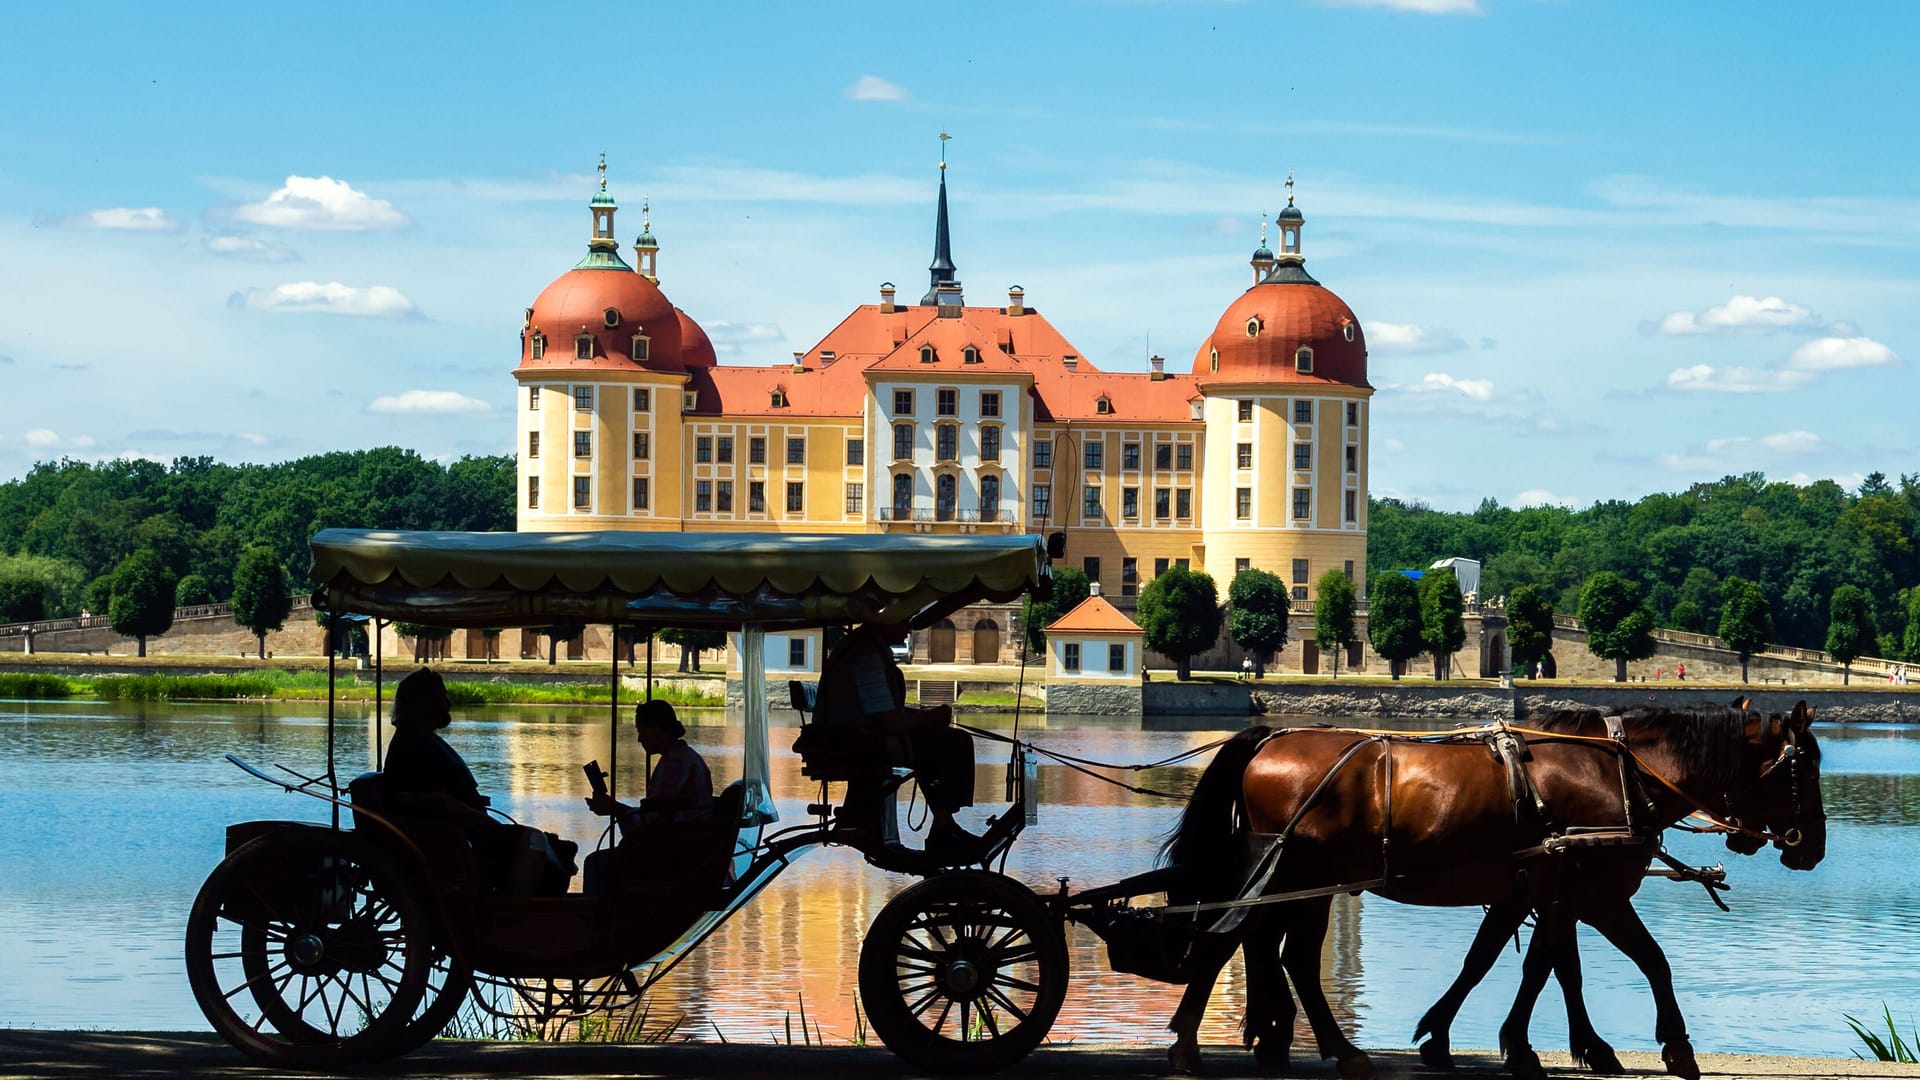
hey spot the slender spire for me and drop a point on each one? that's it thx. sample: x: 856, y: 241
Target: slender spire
x: 942, y: 270
x: 603, y: 251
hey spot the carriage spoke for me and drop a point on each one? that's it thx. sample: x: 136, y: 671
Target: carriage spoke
x: 1018, y: 984
x: 940, y: 1022
x: 926, y: 1002
x: 966, y: 1029
x: 250, y: 981
x: 986, y: 1017
x: 1007, y: 1003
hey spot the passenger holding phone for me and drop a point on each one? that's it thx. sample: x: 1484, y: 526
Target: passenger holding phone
x: 679, y: 785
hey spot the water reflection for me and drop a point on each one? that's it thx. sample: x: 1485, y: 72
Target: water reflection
x: 117, y: 812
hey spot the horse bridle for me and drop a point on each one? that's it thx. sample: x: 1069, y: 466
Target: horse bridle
x: 1790, y: 757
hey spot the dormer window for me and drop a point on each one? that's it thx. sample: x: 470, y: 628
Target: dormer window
x: 1303, y: 360
x: 1103, y: 406
x: 642, y: 348
x: 1213, y: 361
x: 689, y: 401
x: 927, y: 355
x: 1346, y: 329
x: 612, y: 315
x: 1254, y: 326
x: 539, y: 345
x: 583, y: 347
x: 970, y: 356
x: 778, y: 399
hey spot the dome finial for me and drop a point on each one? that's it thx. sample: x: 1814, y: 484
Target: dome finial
x: 943, y: 150
x: 1263, y: 228
x: 646, y: 214
x: 603, y: 170
x: 1289, y: 187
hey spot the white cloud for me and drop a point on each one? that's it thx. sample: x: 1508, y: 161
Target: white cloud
x: 249, y: 248
x: 1540, y: 497
x: 321, y: 202
x: 125, y: 219
x: 1836, y: 353
x: 428, y: 401
x: 1408, y: 338
x: 875, y: 88
x: 1745, y: 452
x: 43, y: 439
x: 1421, y: 7
x: 728, y: 337
x: 328, y: 298
x: 1735, y: 379
x: 1741, y: 313
x: 1439, y: 381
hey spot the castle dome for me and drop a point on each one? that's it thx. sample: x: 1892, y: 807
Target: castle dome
x: 696, y: 348
x: 1260, y: 336
x: 612, y: 306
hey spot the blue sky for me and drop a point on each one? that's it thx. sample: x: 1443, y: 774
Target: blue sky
x: 1600, y: 249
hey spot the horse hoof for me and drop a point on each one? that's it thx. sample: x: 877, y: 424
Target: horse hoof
x: 1183, y: 1059
x: 1271, y: 1054
x: 1356, y: 1066
x: 1678, y: 1057
x: 1435, y: 1053
x: 1600, y: 1058
x: 1524, y: 1064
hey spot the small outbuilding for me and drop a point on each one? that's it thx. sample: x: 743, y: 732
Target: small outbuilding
x: 1094, y: 656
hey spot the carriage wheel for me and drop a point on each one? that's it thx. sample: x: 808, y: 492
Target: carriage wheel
x: 963, y: 972
x: 448, y: 982
x: 304, y: 949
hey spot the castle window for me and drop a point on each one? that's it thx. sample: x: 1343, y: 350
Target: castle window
x: 990, y: 443
x: 796, y: 497
x: 927, y: 355
x: 1094, y: 454
x: 778, y: 399
x: 642, y: 399
x: 583, y: 347
x: 903, y: 403
x: 703, y: 496
x: 1163, y: 456
x: 856, y: 499
x: 989, y: 498
x: 641, y: 492
x: 723, y: 450
x: 989, y: 403
x: 1162, y: 503
x: 1213, y: 361
x: 970, y: 355
x: 703, y: 449
x: 757, y: 450
x: 1103, y: 406
x: 1303, y: 411
x: 723, y: 497
x: 756, y: 496
x: 1353, y: 413
x: 1070, y: 657
x: 1130, y: 503
x: 1183, y: 458
x: 797, y: 451
x: 1090, y: 503
x: 691, y: 401
x: 1130, y: 455
x: 1254, y: 326
x: 1042, y: 501
x: 1346, y: 330
x: 902, y: 496
x: 946, y: 402
x: 1352, y: 514
x: 640, y: 445
x: 583, y: 444
x: 1353, y: 459
x: 946, y: 445
x: 902, y: 441
x: 1183, y: 503
x: 1243, y: 503
x: 533, y: 493
x: 944, y: 497
x: 533, y: 399
x: 1244, y: 410
x: 1243, y: 456
x: 642, y: 348
x: 1303, y: 455
x: 1302, y: 502
x: 856, y: 451
x: 533, y: 444
x: 583, y: 397
x: 612, y: 315
x: 1303, y: 360
x: 1043, y: 454
x: 539, y: 345
x: 583, y: 493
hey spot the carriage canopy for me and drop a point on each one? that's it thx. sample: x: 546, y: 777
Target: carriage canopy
x: 716, y: 580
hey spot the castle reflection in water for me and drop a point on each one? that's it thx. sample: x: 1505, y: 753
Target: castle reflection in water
x: 798, y: 944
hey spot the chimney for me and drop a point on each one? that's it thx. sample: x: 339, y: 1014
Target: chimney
x: 1072, y: 361
x: 1093, y: 588
x: 887, y: 306
x: 1016, y: 301
x: 1159, y: 364
x: 948, y: 300
x: 799, y: 361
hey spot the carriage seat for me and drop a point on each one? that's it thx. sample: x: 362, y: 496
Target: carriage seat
x: 448, y: 851
x: 836, y: 752
x: 693, y: 858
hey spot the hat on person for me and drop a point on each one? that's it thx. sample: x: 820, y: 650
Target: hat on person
x: 658, y: 713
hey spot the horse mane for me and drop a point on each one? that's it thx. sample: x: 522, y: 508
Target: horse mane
x: 1708, y: 741
x: 1206, y: 841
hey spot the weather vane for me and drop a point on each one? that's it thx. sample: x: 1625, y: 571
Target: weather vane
x: 1289, y: 187
x: 1263, y: 228
x: 603, y: 170
x: 943, y: 150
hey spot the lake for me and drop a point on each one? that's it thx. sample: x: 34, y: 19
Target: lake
x: 115, y: 813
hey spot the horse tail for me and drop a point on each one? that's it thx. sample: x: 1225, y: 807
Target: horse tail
x: 1204, y: 837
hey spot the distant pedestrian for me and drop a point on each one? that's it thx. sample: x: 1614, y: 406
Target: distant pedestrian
x: 1680, y: 672
x: 1538, y: 669
x: 1659, y: 673
x: 1246, y: 667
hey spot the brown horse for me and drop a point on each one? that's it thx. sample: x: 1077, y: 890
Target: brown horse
x: 1435, y: 823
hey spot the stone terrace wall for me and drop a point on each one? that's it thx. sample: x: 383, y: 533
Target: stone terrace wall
x: 1430, y: 701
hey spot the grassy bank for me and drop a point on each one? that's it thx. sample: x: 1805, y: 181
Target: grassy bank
x: 312, y: 686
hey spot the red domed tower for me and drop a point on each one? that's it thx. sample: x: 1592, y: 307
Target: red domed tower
x: 602, y: 374
x: 1284, y: 393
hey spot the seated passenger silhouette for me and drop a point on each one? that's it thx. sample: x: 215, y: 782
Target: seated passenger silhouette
x: 679, y: 791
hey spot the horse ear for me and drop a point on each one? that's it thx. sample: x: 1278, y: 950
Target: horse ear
x: 1742, y: 704
x: 1802, y: 717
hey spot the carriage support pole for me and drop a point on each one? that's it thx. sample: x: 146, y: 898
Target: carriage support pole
x: 379, y: 689
x: 333, y: 779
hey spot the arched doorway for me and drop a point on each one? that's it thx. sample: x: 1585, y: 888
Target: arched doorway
x: 986, y: 642
x: 940, y: 642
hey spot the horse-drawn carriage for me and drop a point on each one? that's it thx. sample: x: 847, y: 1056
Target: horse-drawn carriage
x: 319, y: 945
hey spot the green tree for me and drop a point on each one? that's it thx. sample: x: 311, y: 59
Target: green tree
x: 423, y: 637
x: 22, y: 600
x: 1687, y: 615
x: 1393, y: 619
x: 1180, y: 612
x: 692, y: 643
x: 559, y: 632
x: 1746, y: 619
x: 1910, y: 645
x: 260, y: 600
x: 1333, y: 615
x: 193, y: 589
x: 141, y: 605
x: 1619, y: 626
x: 1257, y: 611
x: 1070, y: 588
x: 1443, y: 627
x: 1850, y: 629
x: 1530, y: 627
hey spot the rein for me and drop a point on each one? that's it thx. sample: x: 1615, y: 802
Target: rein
x: 1086, y: 766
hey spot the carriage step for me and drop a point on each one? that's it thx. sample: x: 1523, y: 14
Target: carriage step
x: 938, y: 691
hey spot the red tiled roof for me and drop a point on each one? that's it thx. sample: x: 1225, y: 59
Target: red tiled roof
x: 1094, y: 615
x: 580, y: 298
x: 1291, y: 314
